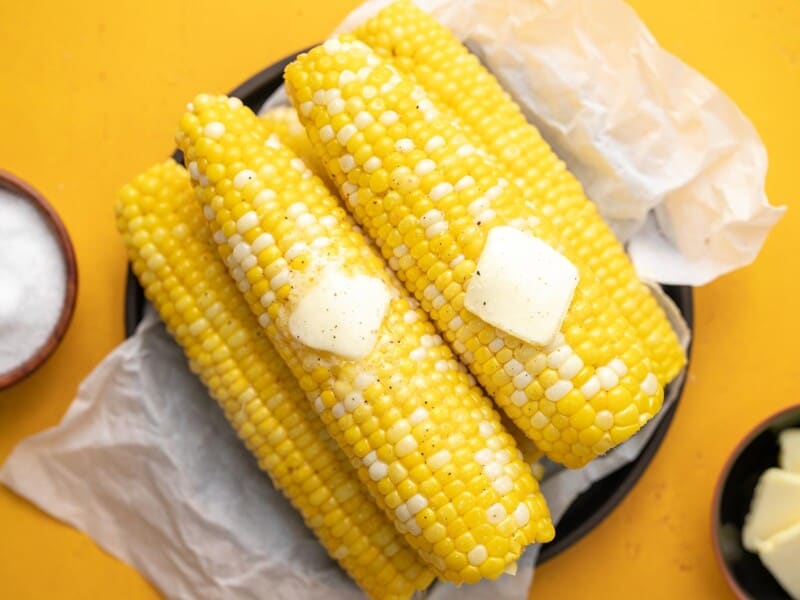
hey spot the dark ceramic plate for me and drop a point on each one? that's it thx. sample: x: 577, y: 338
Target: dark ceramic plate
x: 591, y: 507
x: 755, y: 454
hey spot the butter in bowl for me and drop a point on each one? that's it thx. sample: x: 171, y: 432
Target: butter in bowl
x: 772, y: 527
x: 756, y: 520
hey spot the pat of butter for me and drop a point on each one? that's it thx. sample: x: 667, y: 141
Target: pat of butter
x: 775, y: 507
x: 521, y: 285
x: 790, y: 450
x: 781, y: 555
x: 341, y: 314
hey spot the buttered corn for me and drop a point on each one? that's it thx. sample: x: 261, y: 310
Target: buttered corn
x: 283, y: 122
x: 173, y: 256
x: 418, y: 45
x: 425, y: 441
x: 429, y: 195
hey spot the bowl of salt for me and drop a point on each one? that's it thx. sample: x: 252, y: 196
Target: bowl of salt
x: 38, y: 279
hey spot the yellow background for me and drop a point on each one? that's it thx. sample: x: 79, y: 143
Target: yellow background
x: 89, y: 95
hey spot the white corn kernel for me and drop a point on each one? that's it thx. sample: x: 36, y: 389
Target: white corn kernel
x: 484, y: 456
x: 591, y: 387
x: 607, y: 377
x: 496, y: 513
x: 440, y: 190
x: 326, y: 134
x: 571, y: 367
x: 405, y: 446
x: 418, y: 416
x: 558, y: 390
x: 650, y: 384
x: 378, y: 470
x: 345, y: 133
x: 478, y: 555
x: 604, y: 420
x: 434, y: 143
x: 242, y: 178
x: 404, y: 145
x: 521, y: 514
x: 439, y: 460
x: 416, y: 503
x: 519, y: 398
x: 619, y: 367
x: 503, y: 485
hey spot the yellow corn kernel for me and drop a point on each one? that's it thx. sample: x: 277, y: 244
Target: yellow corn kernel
x: 206, y: 315
x: 267, y: 198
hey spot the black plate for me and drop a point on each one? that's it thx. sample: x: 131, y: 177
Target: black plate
x: 758, y: 452
x: 591, y: 507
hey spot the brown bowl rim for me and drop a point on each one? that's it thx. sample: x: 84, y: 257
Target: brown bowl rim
x: 13, y: 183
x: 721, y: 480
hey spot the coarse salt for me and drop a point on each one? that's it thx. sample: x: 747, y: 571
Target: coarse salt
x: 33, y: 280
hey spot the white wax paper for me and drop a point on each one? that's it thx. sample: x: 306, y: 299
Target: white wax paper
x: 144, y: 461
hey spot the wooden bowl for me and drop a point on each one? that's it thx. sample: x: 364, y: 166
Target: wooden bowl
x: 16, y: 185
x: 758, y: 451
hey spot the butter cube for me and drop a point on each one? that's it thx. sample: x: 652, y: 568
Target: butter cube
x: 781, y: 555
x: 775, y: 507
x: 521, y: 285
x: 341, y: 314
x: 790, y: 450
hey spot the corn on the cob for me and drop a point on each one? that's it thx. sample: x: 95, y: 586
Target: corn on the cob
x: 429, y: 198
x: 427, y: 443
x: 419, y: 45
x: 175, y: 260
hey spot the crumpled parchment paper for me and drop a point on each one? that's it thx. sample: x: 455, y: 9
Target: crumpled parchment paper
x: 146, y: 464
x: 144, y: 461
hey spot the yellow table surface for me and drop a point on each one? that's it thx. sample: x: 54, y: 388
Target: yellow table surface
x: 90, y: 94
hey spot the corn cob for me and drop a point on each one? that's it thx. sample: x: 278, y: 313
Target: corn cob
x: 419, y: 45
x: 174, y: 258
x: 419, y: 187
x: 427, y: 444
